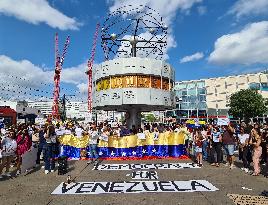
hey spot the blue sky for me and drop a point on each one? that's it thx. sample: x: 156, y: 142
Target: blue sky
x: 209, y: 38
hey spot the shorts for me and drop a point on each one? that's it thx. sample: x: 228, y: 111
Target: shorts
x: 229, y: 149
x: 198, y: 149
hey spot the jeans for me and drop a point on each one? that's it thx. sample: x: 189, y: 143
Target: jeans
x: 244, y: 155
x: 216, y: 147
x: 204, y: 148
x: 93, y: 151
x: 49, y: 152
x: 39, y: 151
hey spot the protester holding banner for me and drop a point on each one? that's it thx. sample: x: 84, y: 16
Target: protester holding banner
x: 8, y: 147
x: 50, y: 149
x: 187, y: 141
x: 156, y: 133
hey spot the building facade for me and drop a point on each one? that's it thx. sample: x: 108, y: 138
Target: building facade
x: 209, y: 98
x: 74, y: 109
x: 45, y: 107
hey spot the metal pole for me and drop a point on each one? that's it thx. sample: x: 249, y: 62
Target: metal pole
x: 64, y: 107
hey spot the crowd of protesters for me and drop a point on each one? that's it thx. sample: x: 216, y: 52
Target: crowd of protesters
x: 207, y: 142
x: 213, y: 142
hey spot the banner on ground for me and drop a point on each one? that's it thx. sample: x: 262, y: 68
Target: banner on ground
x: 144, y: 175
x: 145, y: 166
x: 134, y: 187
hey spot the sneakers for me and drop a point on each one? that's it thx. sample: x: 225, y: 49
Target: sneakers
x: 43, y: 167
x: 18, y: 173
x: 90, y: 162
x: 52, y: 170
x: 243, y: 169
x: 246, y: 170
x: 232, y: 166
x: 8, y: 174
x: 46, y: 171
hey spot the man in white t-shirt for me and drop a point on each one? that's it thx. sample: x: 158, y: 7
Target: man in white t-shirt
x: 243, y: 139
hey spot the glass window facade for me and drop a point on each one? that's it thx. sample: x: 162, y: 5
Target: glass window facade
x: 191, y: 98
x: 254, y: 86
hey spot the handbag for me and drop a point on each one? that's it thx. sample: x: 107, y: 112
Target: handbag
x: 35, y: 137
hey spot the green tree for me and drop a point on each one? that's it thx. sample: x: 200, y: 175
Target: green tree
x: 150, y: 117
x: 247, y: 104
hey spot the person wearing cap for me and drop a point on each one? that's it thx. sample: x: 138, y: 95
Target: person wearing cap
x: 8, y: 146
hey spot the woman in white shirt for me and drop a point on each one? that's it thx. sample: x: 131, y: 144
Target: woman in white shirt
x: 8, y: 147
x: 243, y: 140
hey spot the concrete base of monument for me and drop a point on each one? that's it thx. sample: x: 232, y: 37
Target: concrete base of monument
x: 133, y: 118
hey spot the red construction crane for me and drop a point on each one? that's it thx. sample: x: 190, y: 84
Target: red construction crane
x: 90, y: 65
x: 58, y: 67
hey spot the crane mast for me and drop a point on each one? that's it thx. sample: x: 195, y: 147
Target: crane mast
x: 90, y: 65
x: 58, y: 67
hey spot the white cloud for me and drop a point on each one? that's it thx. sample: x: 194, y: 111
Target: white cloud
x: 166, y: 8
x: 249, y: 7
x: 32, y: 75
x: 74, y: 75
x: 247, y: 47
x: 202, y: 10
x: 24, y: 79
x: 37, y: 11
x: 193, y: 57
x: 83, y: 88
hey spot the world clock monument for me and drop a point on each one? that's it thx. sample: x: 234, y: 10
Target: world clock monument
x: 133, y: 78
